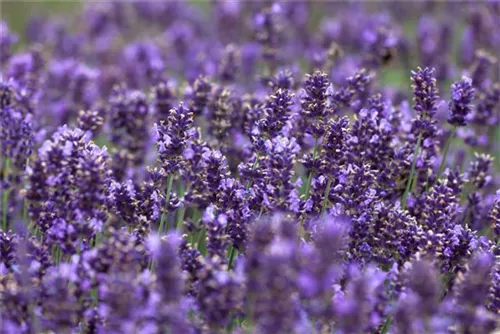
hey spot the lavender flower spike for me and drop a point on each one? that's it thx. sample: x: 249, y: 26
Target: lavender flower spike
x: 462, y: 95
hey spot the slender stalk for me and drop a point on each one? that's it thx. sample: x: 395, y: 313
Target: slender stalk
x: 98, y: 238
x: 25, y: 217
x: 180, y: 218
x: 196, y: 218
x: 415, y: 181
x: 164, y: 215
x: 5, y: 200
x: 182, y: 211
x: 445, y: 151
x: 301, y: 230
x: 95, y: 296
x: 58, y: 255
x: 36, y: 231
x: 386, y: 326
x: 412, y: 172
x: 79, y: 249
x: 325, y: 198
x: 5, y: 195
x: 201, y: 242
x: 255, y: 164
x: 232, y: 253
x: 311, y: 174
x: 25, y: 213
x: 260, y: 212
x: 199, y: 237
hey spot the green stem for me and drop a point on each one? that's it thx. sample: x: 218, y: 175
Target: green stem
x: 25, y: 213
x: 311, y: 174
x: 232, y: 253
x: 301, y: 230
x: 78, y: 250
x: 180, y: 218
x: 412, y: 172
x: 325, y: 198
x: 36, y: 231
x: 5, y: 195
x: 445, y: 152
x: 95, y: 296
x: 5, y: 200
x: 414, y: 181
x: 386, y: 326
x: 200, y: 242
x: 58, y: 255
x: 182, y: 211
x: 255, y: 163
x: 98, y: 238
x: 164, y: 215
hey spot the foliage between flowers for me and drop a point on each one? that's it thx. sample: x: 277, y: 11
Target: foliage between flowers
x: 169, y: 170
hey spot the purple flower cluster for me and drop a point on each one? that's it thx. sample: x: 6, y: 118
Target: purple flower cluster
x: 251, y: 167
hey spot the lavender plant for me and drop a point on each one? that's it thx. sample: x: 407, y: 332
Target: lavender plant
x: 251, y: 167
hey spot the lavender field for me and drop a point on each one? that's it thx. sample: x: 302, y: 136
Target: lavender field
x: 250, y: 167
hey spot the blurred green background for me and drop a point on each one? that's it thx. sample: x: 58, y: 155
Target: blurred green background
x: 17, y: 12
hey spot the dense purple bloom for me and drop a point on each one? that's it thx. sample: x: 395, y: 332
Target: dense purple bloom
x: 230, y: 200
x: 355, y: 309
x: 323, y: 267
x: 493, y: 303
x: 315, y: 104
x: 494, y: 215
x: 483, y: 64
x: 425, y: 96
x: 454, y: 180
x: 8, y: 242
x: 191, y: 263
x: 60, y: 305
x: 439, y: 209
x: 220, y: 293
x: 471, y: 293
x: 283, y: 79
x: 275, y: 301
x: 16, y: 129
x: 462, y: 95
x: 221, y: 112
x: 356, y: 88
x: 169, y: 283
x: 142, y: 63
x: 418, y: 306
x: 89, y: 120
x: 293, y: 202
x: 172, y: 136
x: 230, y: 63
x: 335, y: 144
x: 278, y: 190
x: 268, y: 27
x: 370, y: 137
x: 200, y: 95
x: 127, y: 302
x: 69, y: 182
x: 164, y: 98
x: 276, y: 113
x: 479, y: 170
x: 217, y: 238
x: 488, y: 103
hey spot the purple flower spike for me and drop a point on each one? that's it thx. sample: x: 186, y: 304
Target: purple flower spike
x: 425, y: 97
x: 172, y: 136
x: 462, y: 95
